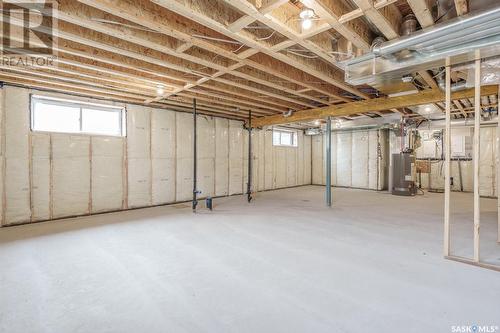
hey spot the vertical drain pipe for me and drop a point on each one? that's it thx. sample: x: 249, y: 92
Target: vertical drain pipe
x: 195, y: 155
x: 329, y: 161
x: 249, y: 180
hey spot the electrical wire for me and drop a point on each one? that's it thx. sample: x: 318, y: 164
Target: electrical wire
x: 218, y: 39
x: 267, y: 37
x: 123, y: 24
x: 302, y: 55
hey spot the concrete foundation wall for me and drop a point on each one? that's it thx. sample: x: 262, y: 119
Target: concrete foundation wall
x: 53, y: 175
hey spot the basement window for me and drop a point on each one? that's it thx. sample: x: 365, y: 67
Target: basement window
x: 285, y: 138
x: 66, y: 116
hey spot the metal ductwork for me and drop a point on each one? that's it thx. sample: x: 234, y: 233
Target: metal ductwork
x: 458, y: 39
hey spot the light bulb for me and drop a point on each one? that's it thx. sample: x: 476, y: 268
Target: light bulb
x: 160, y: 90
x: 306, y: 13
x: 306, y: 24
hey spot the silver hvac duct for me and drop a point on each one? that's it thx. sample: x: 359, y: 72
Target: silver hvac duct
x: 458, y: 39
x: 461, y: 26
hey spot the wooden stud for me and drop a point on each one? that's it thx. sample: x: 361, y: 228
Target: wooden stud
x: 498, y: 167
x: 477, y: 120
x: 447, y: 167
x: 422, y: 10
x: 462, y: 7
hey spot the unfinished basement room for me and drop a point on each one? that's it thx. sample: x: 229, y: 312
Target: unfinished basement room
x: 247, y: 166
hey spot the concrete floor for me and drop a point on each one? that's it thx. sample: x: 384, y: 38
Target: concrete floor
x: 284, y: 263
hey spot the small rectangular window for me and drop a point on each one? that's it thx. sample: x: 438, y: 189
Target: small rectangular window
x: 285, y: 138
x: 65, y: 116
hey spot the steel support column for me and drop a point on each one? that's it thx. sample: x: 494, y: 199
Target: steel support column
x: 195, y: 156
x: 249, y: 180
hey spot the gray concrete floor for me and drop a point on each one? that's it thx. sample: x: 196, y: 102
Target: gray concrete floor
x: 285, y: 263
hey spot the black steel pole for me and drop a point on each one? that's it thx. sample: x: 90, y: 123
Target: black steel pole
x: 195, y: 191
x: 249, y: 183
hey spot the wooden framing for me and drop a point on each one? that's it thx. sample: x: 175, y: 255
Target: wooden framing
x: 109, y: 37
x: 476, y: 260
x: 229, y: 54
x: 447, y: 166
x: 477, y: 134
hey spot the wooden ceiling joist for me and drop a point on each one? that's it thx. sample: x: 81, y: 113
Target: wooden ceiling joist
x: 230, y: 54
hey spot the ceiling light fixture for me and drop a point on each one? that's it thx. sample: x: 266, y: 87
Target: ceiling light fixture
x: 160, y: 90
x: 306, y: 15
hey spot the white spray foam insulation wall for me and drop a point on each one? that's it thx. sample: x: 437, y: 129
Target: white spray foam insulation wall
x: 53, y: 175
x: 185, y: 137
x: 41, y: 173
x: 71, y: 175
x: 357, y: 159
x: 139, y: 156
x: 235, y: 157
x: 463, y: 175
x: 307, y: 159
x: 107, y: 180
x: 163, y: 152
x: 318, y: 164
x: 221, y: 156
x: 268, y: 161
x: 206, y: 156
x: 17, y: 180
x: 360, y: 158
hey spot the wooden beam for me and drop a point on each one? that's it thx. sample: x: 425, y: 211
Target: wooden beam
x: 326, y: 74
x: 330, y: 10
x: 388, y: 20
x: 422, y: 10
x: 462, y: 7
x: 171, y: 26
x: 121, y: 47
x: 376, y: 104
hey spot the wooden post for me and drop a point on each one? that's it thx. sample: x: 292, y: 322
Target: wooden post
x: 447, y: 153
x: 498, y: 165
x: 477, y: 119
